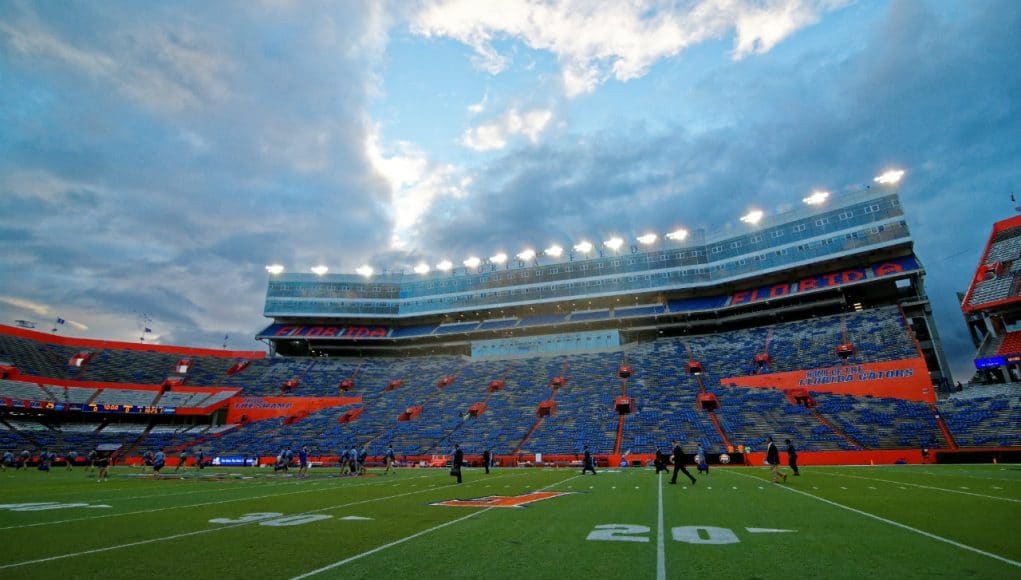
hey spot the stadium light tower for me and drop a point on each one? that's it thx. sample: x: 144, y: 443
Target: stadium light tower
x: 891, y: 177
x: 472, y: 262
x: 320, y: 270
x: 614, y: 243
x: 554, y: 251
x: 753, y: 217
x: 816, y: 198
x: 649, y: 238
x: 445, y: 266
x: 364, y: 270
x: 500, y: 258
x: 422, y: 268
x: 275, y: 269
x: 526, y: 255
x: 583, y: 247
x: 678, y: 235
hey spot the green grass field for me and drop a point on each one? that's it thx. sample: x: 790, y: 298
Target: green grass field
x: 832, y: 522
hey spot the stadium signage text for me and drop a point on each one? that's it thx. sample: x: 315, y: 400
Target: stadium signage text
x: 831, y: 280
x: 851, y: 374
x: 906, y: 379
x: 296, y: 331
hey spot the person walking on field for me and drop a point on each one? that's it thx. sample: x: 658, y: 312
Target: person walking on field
x: 678, y: 455
x: 587, y: 463
x: 773, y: 459
x: 455, y: 468
x: 792, y: 457
x: 487, y: 458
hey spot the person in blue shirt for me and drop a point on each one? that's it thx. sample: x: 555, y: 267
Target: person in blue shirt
x: 303, y: 461
x: 352, y: 460
x: 388, y: 458
x: 158, y: 461
x: 363, y: 455
x: 72, y: 456
x: 200, y: 458
x: 343, y: 460
x: 8, y: 460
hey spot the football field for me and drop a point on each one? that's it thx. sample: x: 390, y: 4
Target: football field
x: 832, y: 522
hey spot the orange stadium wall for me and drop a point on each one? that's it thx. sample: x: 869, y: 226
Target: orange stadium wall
x: 900, y: 379
x: 259, y: 408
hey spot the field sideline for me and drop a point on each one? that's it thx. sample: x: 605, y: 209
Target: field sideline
x: 833, y: 522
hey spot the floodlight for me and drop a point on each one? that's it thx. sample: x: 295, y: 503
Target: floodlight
x: 584, y: 247
x: 614, y: 243
x: 554, y: 250
x: 816, y: 198
x: 752, y: 217
x: 444, y: 266
x: 472, y: 262
x: 365, y: 270
x: 274, y: 269
x: 526, y: 255
x: 320, y: 270
x: 678, y: 235
x: 647, y: 239
x: 499, y: 258
x: 891, y: 177
x: 422, y: 268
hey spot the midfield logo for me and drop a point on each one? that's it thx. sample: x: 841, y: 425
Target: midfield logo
x: 513, y: 501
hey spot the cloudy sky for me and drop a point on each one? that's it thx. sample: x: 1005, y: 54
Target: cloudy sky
x: 154, y: 157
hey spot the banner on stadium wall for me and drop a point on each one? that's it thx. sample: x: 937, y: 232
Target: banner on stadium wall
x: 90, y: 408
x: 258, y: 408
x: 900, y: 379
x: 318, y: 331
x: 831, y: 280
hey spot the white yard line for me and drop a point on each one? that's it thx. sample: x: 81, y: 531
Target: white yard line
x: 206, y: 531
x: 982, y: 495
x: 660, y: 542
x: 894, y: 523
x: 409, y: 538
x: 162, y: 509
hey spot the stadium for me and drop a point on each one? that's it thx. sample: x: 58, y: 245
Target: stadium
x: 811, y: 325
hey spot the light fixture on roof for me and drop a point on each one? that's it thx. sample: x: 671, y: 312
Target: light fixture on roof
x: 649, y: 238
x: 274, y: 269
x: 753, y: 217
x: 526, y: 255
x: 472, y: 262
x: 422, y: 268
x: 499, y: 258
x: 583, y: 247
x: 891, y: 177
x: 444, y: 266
x: 554, y: 251
x: 320, y: 270
x: 678, y: 235
x: 614, y: 243
x: 364, y: 270
x: 816, y: 198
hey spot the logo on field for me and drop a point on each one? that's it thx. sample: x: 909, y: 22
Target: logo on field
x: 512, y: 501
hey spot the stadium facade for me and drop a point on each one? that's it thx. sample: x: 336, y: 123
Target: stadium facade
x: 852, y: 252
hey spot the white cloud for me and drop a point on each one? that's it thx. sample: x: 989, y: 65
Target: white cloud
x: 480, y: 106
x: 415, y: 184
x: 494, y: 135
x: 161, y: 68
x: 596, y: 40
x: 37, y: 308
